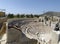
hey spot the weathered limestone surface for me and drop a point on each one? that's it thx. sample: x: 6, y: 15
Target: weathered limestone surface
x: 49, y: 35
x: 17, y: 37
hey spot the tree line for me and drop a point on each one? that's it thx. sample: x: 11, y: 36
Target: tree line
x: 22, y: 16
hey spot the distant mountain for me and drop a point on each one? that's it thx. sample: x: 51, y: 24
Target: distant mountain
x: 52, y: 14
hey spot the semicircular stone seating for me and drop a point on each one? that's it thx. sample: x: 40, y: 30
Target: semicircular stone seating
x: 40, y: 32
x: 43, y: 34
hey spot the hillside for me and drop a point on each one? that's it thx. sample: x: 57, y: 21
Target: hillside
x: 50, y: 13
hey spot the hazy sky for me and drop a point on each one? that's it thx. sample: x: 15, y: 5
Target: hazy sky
x: 30, y: 6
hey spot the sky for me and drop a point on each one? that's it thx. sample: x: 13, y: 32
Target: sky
x: 29, y: 6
